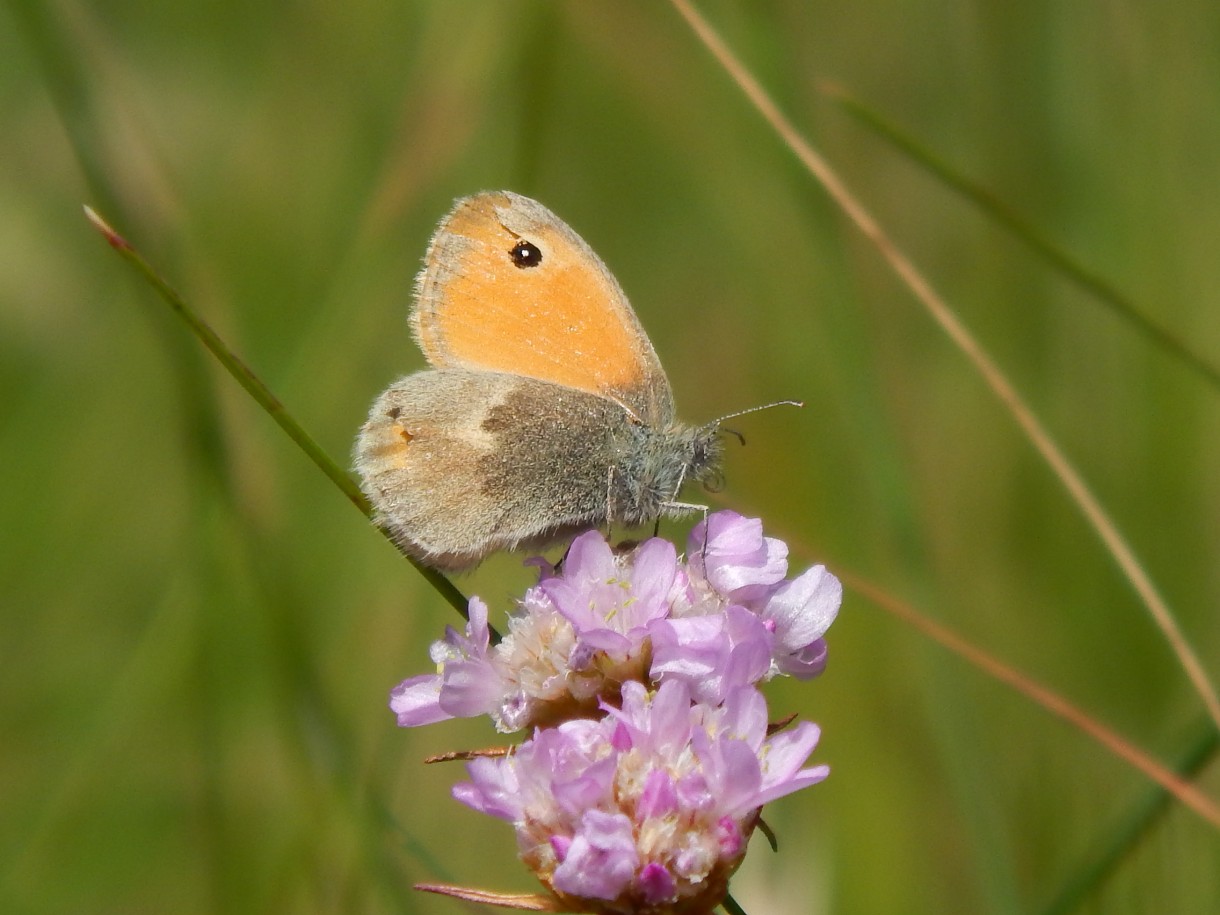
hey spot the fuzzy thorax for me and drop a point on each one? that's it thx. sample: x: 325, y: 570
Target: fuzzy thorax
x: 655, y: 465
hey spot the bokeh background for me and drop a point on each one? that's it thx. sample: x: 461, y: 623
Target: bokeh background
x: 199, y: 632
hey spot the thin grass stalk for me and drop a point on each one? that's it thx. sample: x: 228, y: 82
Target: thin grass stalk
x: 1118, y: 842
x: 1172, y: 782
x: 262, y: 395
x: 1024, y: 231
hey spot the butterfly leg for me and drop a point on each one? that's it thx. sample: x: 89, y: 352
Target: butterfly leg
x: 609, y: 500
x: 679, y: 508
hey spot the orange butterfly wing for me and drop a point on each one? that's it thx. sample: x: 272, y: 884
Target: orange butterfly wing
x: 508, y: 287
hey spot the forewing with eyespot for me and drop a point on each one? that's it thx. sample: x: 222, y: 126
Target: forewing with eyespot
x: 563, y: 319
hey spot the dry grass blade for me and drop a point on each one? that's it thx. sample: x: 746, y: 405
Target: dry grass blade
x: 1186, y: 793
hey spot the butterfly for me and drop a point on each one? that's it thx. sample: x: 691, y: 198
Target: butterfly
x: 545, y: 411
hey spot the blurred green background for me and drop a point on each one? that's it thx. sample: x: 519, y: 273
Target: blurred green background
x: 199, y: 632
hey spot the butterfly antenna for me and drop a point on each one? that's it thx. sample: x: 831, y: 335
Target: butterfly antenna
x: 766, y: 406
x: 716, y: 423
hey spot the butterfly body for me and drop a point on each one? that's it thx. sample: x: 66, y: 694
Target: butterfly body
x: 546, y: 411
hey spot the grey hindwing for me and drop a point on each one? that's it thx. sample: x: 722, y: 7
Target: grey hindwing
x: 555, y: 447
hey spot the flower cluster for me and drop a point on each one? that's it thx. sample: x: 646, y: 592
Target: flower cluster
x: 650, y: 756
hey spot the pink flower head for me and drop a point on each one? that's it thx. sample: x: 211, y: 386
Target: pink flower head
x: 650, y: 805
x: 723, y: 618
x: 637, y: 673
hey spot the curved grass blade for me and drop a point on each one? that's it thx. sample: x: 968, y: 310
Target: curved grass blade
x: 1025, y: 231
x: 262, y: 395
x: 74, y: 97
x: 1175, y: 782
x: 1120, y: 840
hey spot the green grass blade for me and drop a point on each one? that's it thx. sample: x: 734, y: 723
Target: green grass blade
x: 1123, y: 837
x: 1025, y: 232
x: 74, y: 97
x: 262, y: 395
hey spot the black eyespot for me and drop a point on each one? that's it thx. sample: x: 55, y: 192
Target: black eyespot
x: 525, y: 254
